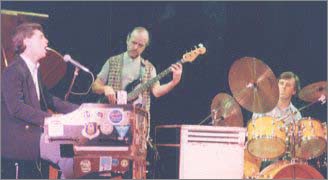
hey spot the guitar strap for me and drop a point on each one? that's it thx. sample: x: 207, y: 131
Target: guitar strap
x: 141, y: 69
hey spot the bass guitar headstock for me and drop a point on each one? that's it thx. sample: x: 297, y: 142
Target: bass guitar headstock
x: 192, y: 55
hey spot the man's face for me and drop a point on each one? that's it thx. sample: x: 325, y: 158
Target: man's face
x: 137, y: 43
x: 286, y: 88
x: 36, y: 44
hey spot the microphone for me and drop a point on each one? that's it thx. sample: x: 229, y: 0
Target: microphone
x: 67, y: 58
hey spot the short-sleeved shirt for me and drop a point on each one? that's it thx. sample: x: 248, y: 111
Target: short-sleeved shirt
x: 132, y: 70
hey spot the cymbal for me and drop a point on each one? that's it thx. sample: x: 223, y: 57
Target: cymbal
x: 253, y: 85
x: 226, y: 111
x: 312, y: 92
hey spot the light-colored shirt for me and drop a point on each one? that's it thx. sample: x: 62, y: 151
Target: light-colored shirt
x: 288, y: 114
x: 130, y: 72
x: 34, y: 72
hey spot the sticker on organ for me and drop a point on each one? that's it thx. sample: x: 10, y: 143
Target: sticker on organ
x: 90, y: 130
x: 115, y: 162
x: 85, y: 166
x: 106, y: 127
x: 87, y: 114
x: 105, y: 163
x: 55, y: 128
x: 122, y: 130
x: 100, y: 115
x: 116, y: 115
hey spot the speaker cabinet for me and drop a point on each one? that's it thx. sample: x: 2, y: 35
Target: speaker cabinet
x: 205, y: 152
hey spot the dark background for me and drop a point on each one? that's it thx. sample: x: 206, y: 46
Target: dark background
x: 287, y: 36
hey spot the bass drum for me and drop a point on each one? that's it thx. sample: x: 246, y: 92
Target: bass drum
x: 287, y: 170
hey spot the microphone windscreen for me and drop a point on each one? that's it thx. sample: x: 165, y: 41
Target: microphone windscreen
x: 67, y: 58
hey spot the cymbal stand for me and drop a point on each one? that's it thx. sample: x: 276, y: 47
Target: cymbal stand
x: 17, y: 168
x: 293, y: 143
x: 213, y: 113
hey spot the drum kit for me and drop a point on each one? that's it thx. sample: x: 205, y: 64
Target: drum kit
x: 255, y: 87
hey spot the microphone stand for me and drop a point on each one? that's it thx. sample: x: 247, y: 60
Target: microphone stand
x: 16, y: 165
x: 76, y: 73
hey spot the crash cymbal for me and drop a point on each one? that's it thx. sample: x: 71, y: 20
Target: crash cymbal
x: 312, y: 92
x: 226, y: 111
x: 253, y: 85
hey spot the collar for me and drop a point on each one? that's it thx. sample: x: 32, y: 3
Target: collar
x: 289, y: 107
x: 30, y: 64
x: 127, y: 57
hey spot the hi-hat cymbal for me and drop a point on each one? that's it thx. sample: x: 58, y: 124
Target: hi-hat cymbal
x: 313, y: 92
x: 226, y: 111
x: 253, y: 85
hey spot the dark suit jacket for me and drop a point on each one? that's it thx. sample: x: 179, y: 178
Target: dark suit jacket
x: 21, y: 115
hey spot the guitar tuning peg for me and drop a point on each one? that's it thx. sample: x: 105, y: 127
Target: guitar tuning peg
x: 200, y: 45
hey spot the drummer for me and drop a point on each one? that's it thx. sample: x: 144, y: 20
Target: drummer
x: 289, y: 85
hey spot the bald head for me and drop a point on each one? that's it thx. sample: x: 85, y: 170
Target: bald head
x: 139, y: 31
x: 137, y: 41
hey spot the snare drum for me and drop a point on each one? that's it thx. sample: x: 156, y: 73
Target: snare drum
x: 266, y: 138
x: 287, y: 170
x: 312, y: 142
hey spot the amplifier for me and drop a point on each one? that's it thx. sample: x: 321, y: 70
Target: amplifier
x: 205, y: 152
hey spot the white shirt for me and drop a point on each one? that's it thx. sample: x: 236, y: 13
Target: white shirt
x: 289, y: 114
x: 131, y: 69
x: 34, y: 72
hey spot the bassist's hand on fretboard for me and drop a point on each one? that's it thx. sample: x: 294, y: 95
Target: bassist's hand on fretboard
x: 177, y: 72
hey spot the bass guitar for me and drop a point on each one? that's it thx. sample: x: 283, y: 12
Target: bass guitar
x: 135, y: 88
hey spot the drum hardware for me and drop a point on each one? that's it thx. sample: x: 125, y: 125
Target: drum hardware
x: 324, y: 125
x: 283, y: 128
x: 16, y: 170
x: 324, y: 164
x: 253, y: 123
